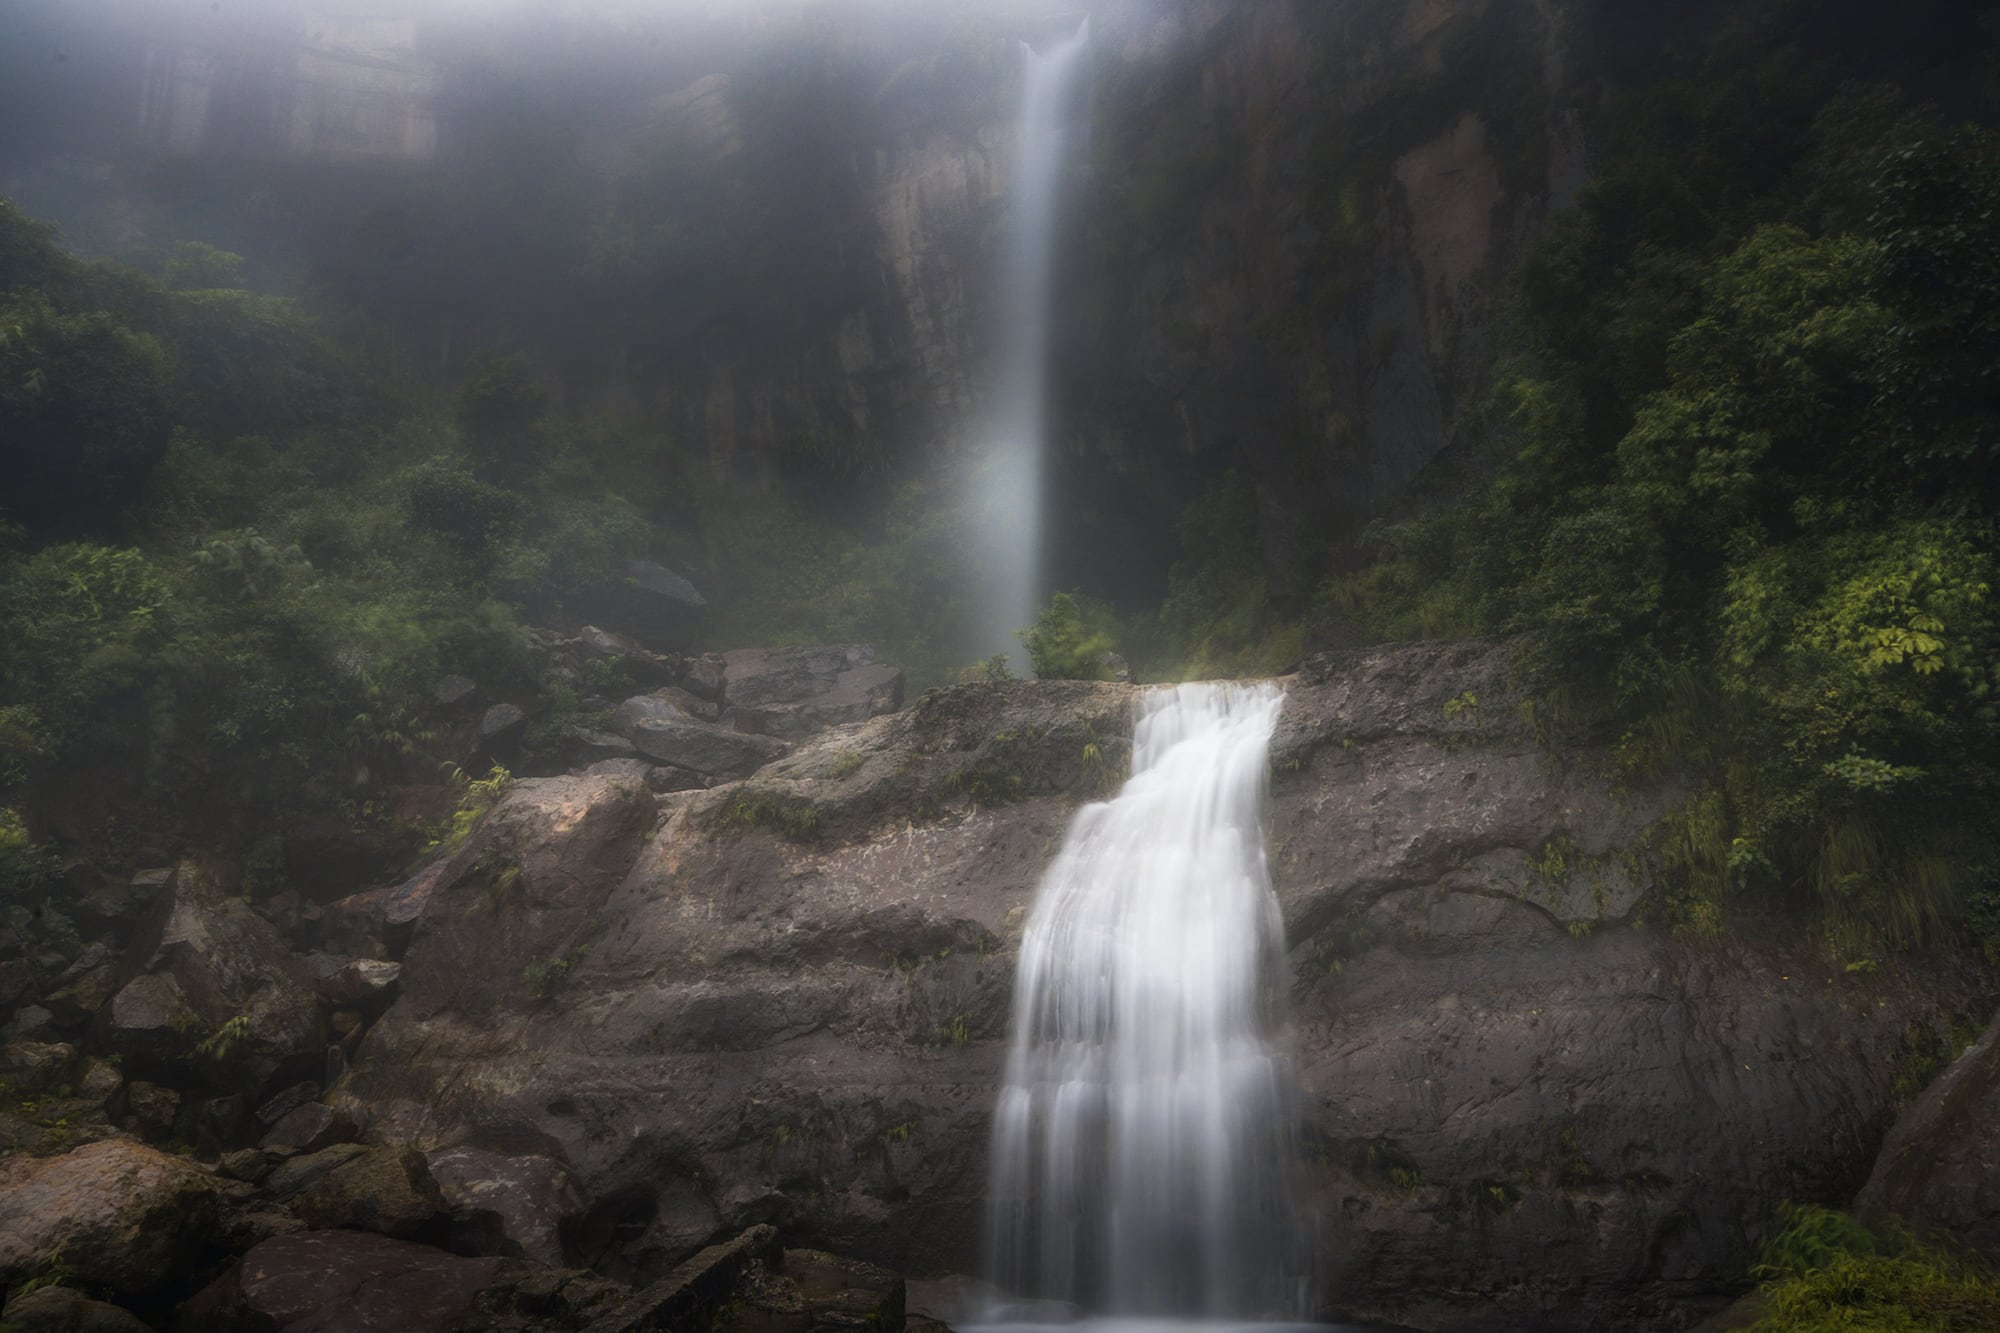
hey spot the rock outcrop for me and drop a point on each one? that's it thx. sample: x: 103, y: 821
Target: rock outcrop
x: 1940, y: 1166
x: 784, y: 1000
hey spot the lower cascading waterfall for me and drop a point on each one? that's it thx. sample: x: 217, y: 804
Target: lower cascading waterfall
x: 1145, y: 1144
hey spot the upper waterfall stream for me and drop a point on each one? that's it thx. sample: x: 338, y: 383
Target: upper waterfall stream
x: 1145, y: 1142
x: 1006, y: 502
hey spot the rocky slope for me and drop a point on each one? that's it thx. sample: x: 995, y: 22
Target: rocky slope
x: 783, y: 1000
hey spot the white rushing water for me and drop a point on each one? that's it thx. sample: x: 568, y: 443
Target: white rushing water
x: 1004, y: 502
x: 1145, y: 1143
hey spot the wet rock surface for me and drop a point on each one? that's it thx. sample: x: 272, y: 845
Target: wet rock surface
x: 626, y: 1018
x: 1940, y: 1166
x: 786, y: 999
x: 114, y: 1215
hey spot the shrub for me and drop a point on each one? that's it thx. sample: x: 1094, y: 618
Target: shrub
x: 1061, y: 646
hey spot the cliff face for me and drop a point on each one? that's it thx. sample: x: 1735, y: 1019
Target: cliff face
x: 777, y: 237
x: 786, y: 1000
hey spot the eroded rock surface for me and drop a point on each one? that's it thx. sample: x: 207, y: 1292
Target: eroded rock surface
x: 115, y: 1215
x: 1940, y: 1166
x: 785, y: 1000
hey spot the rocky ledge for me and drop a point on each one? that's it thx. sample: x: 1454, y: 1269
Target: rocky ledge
x: 784, y: 1000
x: 622, y: 1023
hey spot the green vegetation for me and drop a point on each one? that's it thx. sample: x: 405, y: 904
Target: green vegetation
x: 218, y: 1044
x: 1061, y: 646
x: 480, y: 796
x: 234, y: 557
x: 543, y: 979
x: 1827, y: 1270
x: 749, y: 808
x: 1738, y: 495
x: 1219, y: 618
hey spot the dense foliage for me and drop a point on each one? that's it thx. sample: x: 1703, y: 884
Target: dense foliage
x: 1741, y: 493
x: 233, y: 562
x: 1827, y: 1270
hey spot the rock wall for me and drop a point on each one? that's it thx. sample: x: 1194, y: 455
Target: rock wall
x: 774, y: 235
x: 785, y: 1000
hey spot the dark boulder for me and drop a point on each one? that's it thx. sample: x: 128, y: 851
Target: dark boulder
x: 456, y: 692
x: 85, y: 986
x: 152, y: 1020
x: 295, y: 1174
x: 66, y: 1310
x: 664, y: 733
x: 250, y: 996
x: 309, y: 1128
x: 647, y: 602
x: 345, y: 982
x: 794, y: 692
x: 115, y: 1215
x: 116, y: 907
x: 35, y: 1066
x: 640, y: 664
x: 503, y: 1204
x: 501, y: 729
x: 341, y: 1282
x: 151, y: 1110
x: 387, y: 1190
x: 1939, y: 1170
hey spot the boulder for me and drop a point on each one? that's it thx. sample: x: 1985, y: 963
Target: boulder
x: 352, y: 981
x: 309, y: 1128
x: 811, y: 1290
x: 523, y: 890
x: 17, y: 982
x: 794, y: 692
x: 405, y: 903
x: 456, y: 692
x: 31, y: 1023
x: 501, y: 728
x: 152, y: 1020
x: 664, y: 778
x: 290, y: 913
x: 1939, y: 1169
x: 66, y: 1310
x: 352, y: 926
x: 665, y: 734
x: 115, y: 1214
x: 648, y: 603
x: 387, y: 1190
x: 343, y: 1282
x: 86, y: 986
x: 34, y: 1066
x: 231, y: 966
x: 581, y: 745
x: 704, y: 677
x: 246, y: 1164
x: 286, y: 1101
x: 114, y: 907
x: 151, y: 1109
x: 289, y: 1177
x: 505, y: 1205
x: 640, y: 664
x: 99, y: 1081
x: 698, y: 1288
x: 219, y: 1121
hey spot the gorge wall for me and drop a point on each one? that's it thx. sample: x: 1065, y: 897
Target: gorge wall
x: 772, y: 232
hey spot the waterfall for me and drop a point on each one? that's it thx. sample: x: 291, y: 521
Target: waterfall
x: 1005, y: 499
x: 1145, y: 1143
